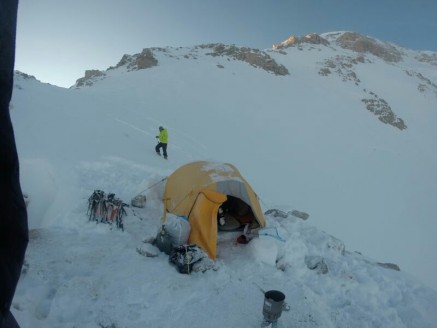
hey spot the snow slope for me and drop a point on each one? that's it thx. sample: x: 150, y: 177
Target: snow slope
x: 303, y: 141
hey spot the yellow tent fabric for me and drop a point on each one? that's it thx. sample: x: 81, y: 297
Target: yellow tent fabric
x: 196, y: 190
x: 203, y: 221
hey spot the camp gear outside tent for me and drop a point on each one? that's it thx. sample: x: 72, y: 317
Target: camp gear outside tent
x: 197, y: 190
x: 178, y: 229
x: 106, y: 208
x: 272, y: 308
x: 185, y: 257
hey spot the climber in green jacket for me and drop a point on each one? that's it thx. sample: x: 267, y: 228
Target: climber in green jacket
x: 162, y: 142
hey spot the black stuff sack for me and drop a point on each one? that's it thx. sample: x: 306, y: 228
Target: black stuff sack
x: 185, y: 256
x: 163, y: 241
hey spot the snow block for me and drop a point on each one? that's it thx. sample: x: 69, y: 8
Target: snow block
x: 264, y: 249
x: 148, y: 250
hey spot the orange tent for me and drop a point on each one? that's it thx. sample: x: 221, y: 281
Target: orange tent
x: 197, y: 190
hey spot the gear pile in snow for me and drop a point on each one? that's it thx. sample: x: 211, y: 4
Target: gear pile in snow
x: 185, y: 256
x: 106, y: 208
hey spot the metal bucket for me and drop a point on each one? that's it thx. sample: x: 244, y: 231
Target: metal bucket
x: 273, y: 303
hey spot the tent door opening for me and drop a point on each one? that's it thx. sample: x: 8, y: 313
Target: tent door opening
x: 234, y: 214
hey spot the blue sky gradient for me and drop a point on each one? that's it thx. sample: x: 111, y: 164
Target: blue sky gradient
x: 57, y: 40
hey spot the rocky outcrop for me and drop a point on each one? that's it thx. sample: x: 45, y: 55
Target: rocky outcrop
x: 90, y: 77
x: 24, y: 76
x: 293, y: 40
x: 390, y: 266
x: 251, y: 56
x: 425, y: 84
x: 143, y: 60
x: 363, y: 44
x: 343, y: 66
x: 430, y: 58
x: 20, y: 76
x: 300, y: 214
x: 380, y: 108
x: 279, y: 213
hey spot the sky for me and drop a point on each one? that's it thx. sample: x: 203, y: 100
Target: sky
x: 58, y: 40
x: 79, y: 273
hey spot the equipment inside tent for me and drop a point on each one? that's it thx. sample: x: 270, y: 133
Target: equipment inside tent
x: 200, y: 190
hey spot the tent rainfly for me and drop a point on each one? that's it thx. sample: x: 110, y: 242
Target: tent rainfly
x: 197, y: 190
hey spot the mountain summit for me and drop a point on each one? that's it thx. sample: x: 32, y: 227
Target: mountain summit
x: 347, y: 40
x: 343, y: 54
